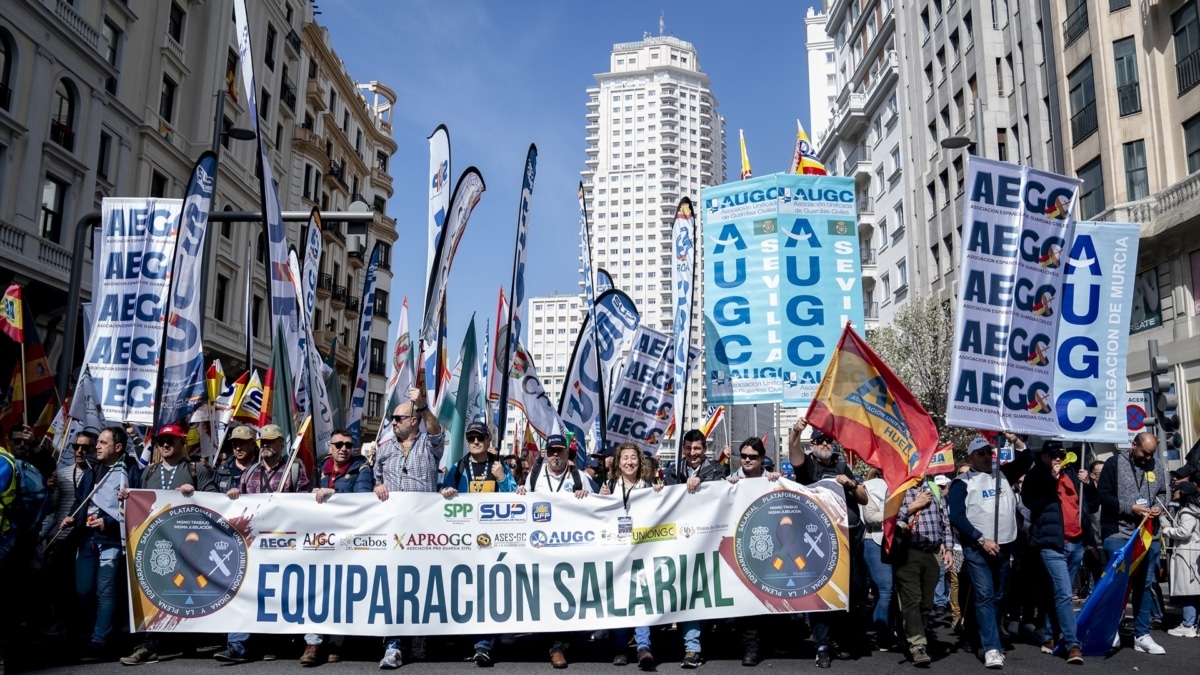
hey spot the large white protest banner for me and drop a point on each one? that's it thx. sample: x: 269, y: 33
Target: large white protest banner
x: 136, y: 254
x: 1017, y: 223
x: 423, y: 565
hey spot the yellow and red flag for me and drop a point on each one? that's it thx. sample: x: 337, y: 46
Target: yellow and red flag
x: 12, y: 314
x: 529, y: 444
x: 746, y: 172
x: 714, y: 416
x: 804, y: 160
x: 942, y: 460
x: 861, y: 403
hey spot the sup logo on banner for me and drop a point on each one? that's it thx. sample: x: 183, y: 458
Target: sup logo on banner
x: 786, y: 545
x: 189, y: 561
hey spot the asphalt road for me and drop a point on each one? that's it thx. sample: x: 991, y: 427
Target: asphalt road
x: 786, y: 650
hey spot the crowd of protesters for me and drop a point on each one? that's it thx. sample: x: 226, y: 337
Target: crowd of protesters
x: 1001, y: 553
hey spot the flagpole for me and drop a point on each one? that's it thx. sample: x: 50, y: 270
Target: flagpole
x: 66, y: 428
x: 24, y: 397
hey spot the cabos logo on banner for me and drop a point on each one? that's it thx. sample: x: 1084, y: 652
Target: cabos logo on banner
x: 782, y: 276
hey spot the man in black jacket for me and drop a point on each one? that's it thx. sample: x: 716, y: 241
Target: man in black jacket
x: 1059, y: 528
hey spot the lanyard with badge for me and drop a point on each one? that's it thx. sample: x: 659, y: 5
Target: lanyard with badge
x: 477, y: 483
x: 625, y: 522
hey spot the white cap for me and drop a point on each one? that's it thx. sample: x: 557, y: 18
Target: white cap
x: 941, y: 480
x: 977, y: 445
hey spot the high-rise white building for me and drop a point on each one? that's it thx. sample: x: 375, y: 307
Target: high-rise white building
x: 822, y: 73
x: 653, y: 137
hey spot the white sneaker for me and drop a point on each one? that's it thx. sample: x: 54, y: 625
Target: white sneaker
x: 391, y: 659
x: 1145, y: 643
x: 1183, y: 631
x: 1117, y: 640
x: 993, y: 659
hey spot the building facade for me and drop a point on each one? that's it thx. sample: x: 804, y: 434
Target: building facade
x: 138, y: 91
x: 1128, y: 98
x: 822, y: 74
x: 653, y: 137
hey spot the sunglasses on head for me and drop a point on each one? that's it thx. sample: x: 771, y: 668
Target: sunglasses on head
x: 746, y: 456
x: 341, y: 445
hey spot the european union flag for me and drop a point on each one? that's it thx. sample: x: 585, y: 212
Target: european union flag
x: 1101, y: 615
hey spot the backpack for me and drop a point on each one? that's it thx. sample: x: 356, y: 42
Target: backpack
x: 537, y: 471
x: 23, y: 502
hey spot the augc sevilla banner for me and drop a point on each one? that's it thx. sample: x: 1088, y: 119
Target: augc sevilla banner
x: 422, y: 565
x: 136, y: 254
x: 782, y: 276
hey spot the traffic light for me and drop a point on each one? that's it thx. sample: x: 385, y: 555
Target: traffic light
x: 1166, y: 402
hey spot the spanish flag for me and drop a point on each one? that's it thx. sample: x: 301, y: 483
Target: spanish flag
x: 12, y: 314
x: 862, y: 404
x: 804, y: 160
x: 942, y: 460
x: 746, y: 172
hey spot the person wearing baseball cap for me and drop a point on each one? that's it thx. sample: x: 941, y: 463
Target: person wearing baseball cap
x: 243, y: 443
x: 1059, y: 529
x: 172, y: 472
x: 986, y: 526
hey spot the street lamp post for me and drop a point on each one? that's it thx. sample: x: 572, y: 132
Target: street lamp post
x: 958, y: 142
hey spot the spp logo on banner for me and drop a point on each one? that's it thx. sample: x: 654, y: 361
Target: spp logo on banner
x: 458, y: 512
x: 555, y: 538
x: 502, y: 513
x: 541, y: 512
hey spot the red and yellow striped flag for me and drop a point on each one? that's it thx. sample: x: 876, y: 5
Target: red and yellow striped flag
x: 862, y: 404
x: 804, y: 160
x: 746, y: 172
x: 12, y: 314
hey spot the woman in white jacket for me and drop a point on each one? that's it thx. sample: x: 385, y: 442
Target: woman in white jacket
x: 1185, y: 577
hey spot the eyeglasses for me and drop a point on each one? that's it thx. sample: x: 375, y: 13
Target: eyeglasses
x: 400, y: 418
x: 341, y: 445
x: 475, y: 438
x: 745, y: 456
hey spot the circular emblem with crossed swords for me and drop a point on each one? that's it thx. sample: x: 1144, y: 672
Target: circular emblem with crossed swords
x: 189, y: 561
x: 786, y: 545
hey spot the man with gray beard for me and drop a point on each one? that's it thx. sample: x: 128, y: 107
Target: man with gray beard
x: 826, y: 465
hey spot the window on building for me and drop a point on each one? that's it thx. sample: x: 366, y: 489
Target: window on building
x: 54, y: 198
x: 1091, y: 193
x: 1082, y: 94
x: 166, y: 100
x: 112, y: 52
x: 1129, y: 99
x: 1137, y: 183
x: 378, y: 357
x: 1191, y: 143
x: 1186, y: 27
x: 901, y: 275
x: 264, y: 103
x: 886, y: 282
x: 7, y: 55
x: 175, y: 22
x: 222, y: 294
x: 381, y: 303
x: 256, y: 316
x: 62, y: 123
x: 104, y: 157
x: 158, y: 185
x: 270, y: 51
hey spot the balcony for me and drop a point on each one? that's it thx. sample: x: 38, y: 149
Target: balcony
x: 355, y: 257
x: 1129, y: 99
x: 334, y: 229
x: 377, y: 367
x: 78, y: 25
x: 325, y: 284
x: 287, y: 94
x: 314, y: 96
x: 292, y: 40
x: 871, y: 310
x: 340, y: 295
x: 1187, y: 71
x: 381, y: 311
x: 352, y: 305
x: 337, y: 172
x: 1161, y: 212
x: 859, y: 161
x: 866, y: 205
x: 1076, y: 24
x: 62, y: 135
x: 866, y: 256
x: 1084, y: 123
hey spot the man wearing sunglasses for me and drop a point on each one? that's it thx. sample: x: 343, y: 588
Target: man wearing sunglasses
x: 408, y: 463
x: 344, y: 470
x: 825, y: 464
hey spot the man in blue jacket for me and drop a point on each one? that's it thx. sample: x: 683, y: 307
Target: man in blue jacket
x: 343, y: 471
x: 1059, y: 528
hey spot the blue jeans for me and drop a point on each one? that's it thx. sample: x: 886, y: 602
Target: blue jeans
x: 485, y: 642
x: 1189, y: 610
x: 989, y: 576
x: 97, y: 574
x: 691, y: 636
x: 1140, y: 583
x: 941, y: 594
x: 881, y: 574
x: 1062, y: 566
x: 620, y: 637
x: 236, y: 642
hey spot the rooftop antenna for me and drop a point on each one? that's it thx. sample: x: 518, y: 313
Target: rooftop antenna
x: 661, y: 19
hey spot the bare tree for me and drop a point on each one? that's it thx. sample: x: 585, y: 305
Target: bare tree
x: 917, y: 347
